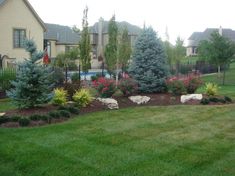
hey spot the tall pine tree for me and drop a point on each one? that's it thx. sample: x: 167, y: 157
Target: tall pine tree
x: 32, y: 86
x: 149, y: 67
x: 112, y: 46
x: 85, y: 46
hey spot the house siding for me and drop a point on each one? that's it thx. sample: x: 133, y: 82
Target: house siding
x: 14, y: 14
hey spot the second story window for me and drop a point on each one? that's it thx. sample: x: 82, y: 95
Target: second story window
x: 18, y: 38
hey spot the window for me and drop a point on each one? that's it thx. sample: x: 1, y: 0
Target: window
x: 18, y: 37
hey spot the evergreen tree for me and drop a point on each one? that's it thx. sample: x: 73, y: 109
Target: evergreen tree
x: 32, y: 87
x: 124, y: 51
x: 85, y: 46
x: 149, y: 67
x: 112, y: 46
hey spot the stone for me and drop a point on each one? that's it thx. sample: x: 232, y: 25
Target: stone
x: 2, y: 114
x: 109, y: 102
x: 186, y: 98
x: 139, y: 99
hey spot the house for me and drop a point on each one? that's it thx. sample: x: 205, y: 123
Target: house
x: 99, y: 38
x: 59, y: 39
x: 197, y: 37
x: 18, y: 20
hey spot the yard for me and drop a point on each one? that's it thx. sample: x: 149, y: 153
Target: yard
x: 175, y: 140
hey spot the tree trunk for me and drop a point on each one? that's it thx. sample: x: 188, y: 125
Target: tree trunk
x: 219, y: 71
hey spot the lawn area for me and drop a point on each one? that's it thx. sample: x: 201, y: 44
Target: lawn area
x: 145, y: 141
x: 229, y: 88
x: 5, y: 104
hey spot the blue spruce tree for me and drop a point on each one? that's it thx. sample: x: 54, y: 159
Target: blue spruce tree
x: 32, y: 86
x: 149, y: 66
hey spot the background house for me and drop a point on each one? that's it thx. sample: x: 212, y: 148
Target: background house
x: 197, y: 37
x: 99, y: 38
x: 59, y: 39
x: 18, y: 20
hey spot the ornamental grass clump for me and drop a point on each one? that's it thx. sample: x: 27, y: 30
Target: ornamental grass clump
x: 60, y: 96
x: 211, y: 89
x: 82, y: 97
x: 105, y: 87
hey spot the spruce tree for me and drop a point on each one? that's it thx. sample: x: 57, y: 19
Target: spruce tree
x: 149, y: 66
x: 32, y: 86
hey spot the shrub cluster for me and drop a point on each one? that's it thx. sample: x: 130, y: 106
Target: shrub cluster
x: 127, y: 86
x: 60, y: 96
x: 62, y: 112
x: 179, y: 86
x: 206, y: 101
x: 105, y: 87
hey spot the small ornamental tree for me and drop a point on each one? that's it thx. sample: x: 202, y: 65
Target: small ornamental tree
x: 32, y: 86
x: 149, y: 66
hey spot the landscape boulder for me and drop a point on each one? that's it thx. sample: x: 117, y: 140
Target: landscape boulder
x: 139, y: 99
x: 109, y: 102
x: 186, y: 98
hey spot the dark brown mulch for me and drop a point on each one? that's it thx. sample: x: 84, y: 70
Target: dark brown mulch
x: 95, y: 106
x: 27, y: 112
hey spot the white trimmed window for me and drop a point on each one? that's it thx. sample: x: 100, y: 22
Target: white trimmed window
x: 18, y: 38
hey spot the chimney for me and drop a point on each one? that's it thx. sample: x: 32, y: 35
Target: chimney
x: 221, y: 30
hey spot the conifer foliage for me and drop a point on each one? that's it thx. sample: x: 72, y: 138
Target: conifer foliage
x: 32, y: 86
x: 149, y: 66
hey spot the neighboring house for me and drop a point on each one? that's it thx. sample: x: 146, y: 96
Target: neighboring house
x: 18, y: 20
x: 99, y: 38
x: 197, y: 37
x: 59, y: 39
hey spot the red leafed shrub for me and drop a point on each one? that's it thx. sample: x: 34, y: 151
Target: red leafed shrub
x: 181, y: 85
x: 105, y: 87
x: 192, y: 84
x: 128, y: 86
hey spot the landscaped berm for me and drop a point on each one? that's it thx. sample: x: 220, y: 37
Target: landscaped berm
x: 176, y: 140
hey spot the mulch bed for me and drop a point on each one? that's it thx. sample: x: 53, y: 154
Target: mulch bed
x: 95, y: 106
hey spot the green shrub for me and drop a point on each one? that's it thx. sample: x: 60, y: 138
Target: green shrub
x: 176, y: 87
x: 60, y: 97
x: 205, y: 101
x: 214, y: 99
x: 73, y: 110
x: 24, y: 122
x: 15, y: 118
x: 64, y: 113
x: 71, y: 89
x: 4, y: 119
x: 82, y: 97
x: 192, y: 84
x: 228, y: 99
x: 211, y: 89
x: 35, y: 117
x: 128, y: 86
x: 54, y: 114
x: 95, y: 77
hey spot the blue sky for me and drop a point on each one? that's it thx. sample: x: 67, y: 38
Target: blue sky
x: 182, y: 17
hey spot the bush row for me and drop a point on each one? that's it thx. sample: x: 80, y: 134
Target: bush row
x: 62, y: 112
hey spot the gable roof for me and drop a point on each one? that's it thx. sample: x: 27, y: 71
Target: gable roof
x: 61, y: 34
x: 196, y: 37
x: 132, y: 29
x: 30, y: 7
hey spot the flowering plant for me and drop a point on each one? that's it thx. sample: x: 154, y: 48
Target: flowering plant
x: 128, y: 86
x: 192, y: 84
x: 175, y: 86
x: 105, y: 87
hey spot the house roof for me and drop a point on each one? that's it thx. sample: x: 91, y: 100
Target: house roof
x: 121, y: 25
x: 61, y: 34
x: 196, y: 37
x: 31, y: 9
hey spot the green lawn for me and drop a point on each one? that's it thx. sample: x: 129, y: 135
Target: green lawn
x: 176, y: 140
x: 5, y: 105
